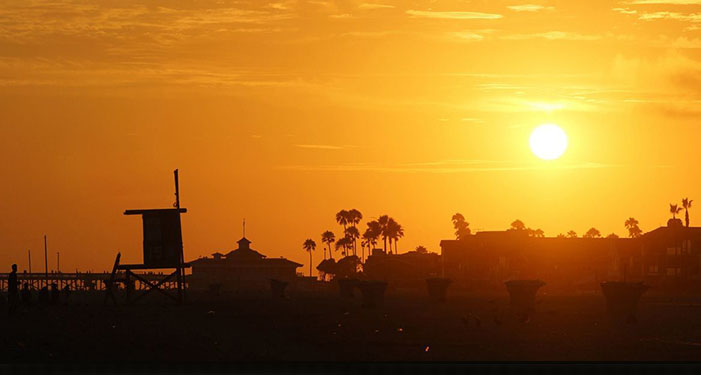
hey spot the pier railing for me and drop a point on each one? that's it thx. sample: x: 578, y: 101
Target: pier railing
x: 81, y: 280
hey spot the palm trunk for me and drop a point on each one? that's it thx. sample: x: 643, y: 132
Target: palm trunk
x: 310, y: 264
x: 686, y: 217
x: 385, y: 245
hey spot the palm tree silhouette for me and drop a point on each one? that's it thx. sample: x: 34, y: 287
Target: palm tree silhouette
x: 328, y: 238
x: 342, y: 218
x: 383, y: 221
x: 421, y: 249
x: 368, y: 239
x: 373, y: 232
x: 309, y: 245
x: 353, y: 234
x: 571, y: 234
x: 633, y: 230
x: 462, y: 228
x: 674, y: 210
x: 354, y: 217
x: 343, y: 243
x: 396, y: 232
x: 686, y: 203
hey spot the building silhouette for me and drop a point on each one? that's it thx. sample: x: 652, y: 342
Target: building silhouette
x: 668, y: 256
x: 240, y: 269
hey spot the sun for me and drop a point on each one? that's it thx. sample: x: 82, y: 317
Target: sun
x: 548, y: 141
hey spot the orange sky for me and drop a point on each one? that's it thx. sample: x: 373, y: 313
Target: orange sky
x: 286, y: 112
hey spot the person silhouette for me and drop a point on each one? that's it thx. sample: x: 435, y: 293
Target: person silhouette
x: 26, y: 295
x: 12, y: 290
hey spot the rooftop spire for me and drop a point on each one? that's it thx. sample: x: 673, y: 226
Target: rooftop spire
x: 244, y: 227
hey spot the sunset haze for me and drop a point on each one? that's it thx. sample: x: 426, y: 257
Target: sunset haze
x: 284, y: 113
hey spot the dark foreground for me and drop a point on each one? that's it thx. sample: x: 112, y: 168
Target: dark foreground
x: 321, y: 326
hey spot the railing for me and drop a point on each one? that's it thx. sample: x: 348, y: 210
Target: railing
x: 81, y: 281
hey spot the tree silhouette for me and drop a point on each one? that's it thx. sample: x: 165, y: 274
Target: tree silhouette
x: 421, y: 249
x: 538, y: 233
x: 309, y: 245
x: 368, y: 240
x: 612, y: 235
x: 517, y: 225
x: 396, y: 232
x: 343, y: 218
x: 634, y: 230
x: 592, y: 233
x: 561, y: 236
x: 686, y: 203
x: 354, y: 217
x: 372, y: 234
x: 462, y: 228
x: 571, y: 234
x: 328, y: 238
x: 343, y: 243
x: 384, y: 232
x: 353, y: 234
x: 674, y: 210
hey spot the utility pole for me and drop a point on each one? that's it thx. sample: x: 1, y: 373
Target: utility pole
x: 29, y: 256
x: 46, y: 264
x: 58, y: 262
x: 181, y: 269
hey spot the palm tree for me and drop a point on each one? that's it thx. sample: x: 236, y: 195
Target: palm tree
x: 561, y: 236
x: 368, y: 240
x: 354, y: 217
x: 396, y: 232
x: 633, y: 230
x: 421, y: 249
x: 383, y: 221
x: 462, y: 228
x: 686, y: 203
x: 571, y: 234
x: 353, y: 234
x: 674, y: 210
x: 343, y: 243
x: 309, y: 245
x: 342, y: 218
x: 373, y: 232
x: 363, y: 244
x: 328, y: 238
x: 592, y: 233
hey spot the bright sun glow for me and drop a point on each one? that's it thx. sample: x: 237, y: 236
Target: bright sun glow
x: 548, y: 142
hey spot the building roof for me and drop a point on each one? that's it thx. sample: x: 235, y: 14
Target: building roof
x: 244, y: 255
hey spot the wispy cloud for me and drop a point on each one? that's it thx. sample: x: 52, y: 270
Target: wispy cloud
x: 466, y: 36
x: 693, y: 17
x: 453, y: 15
x: 553, y: 35
x: 375, y: 6
x: 671, y: 2
x: 449, y: 166
x: 529, y: 8
x: 625, y: 10
x: 321, y: 147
